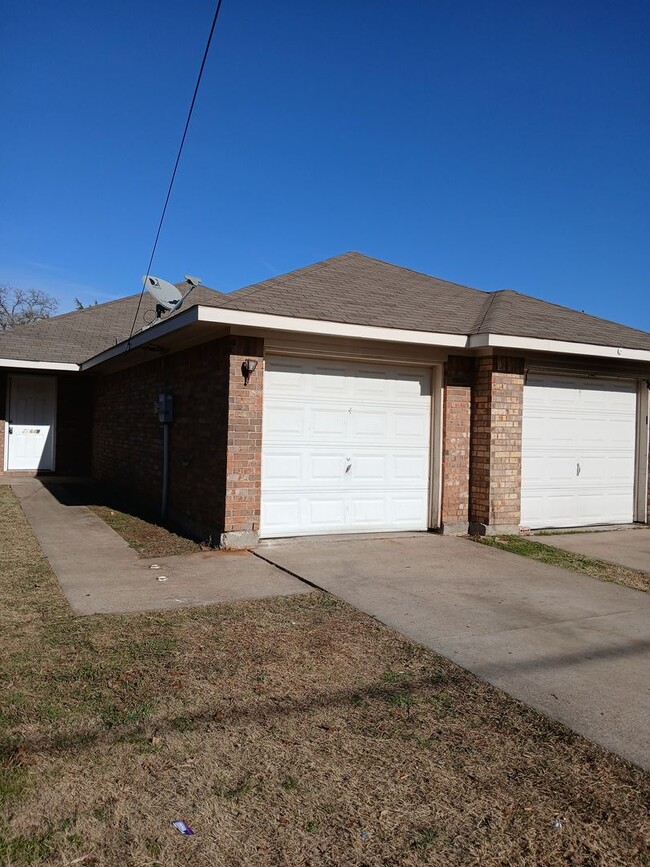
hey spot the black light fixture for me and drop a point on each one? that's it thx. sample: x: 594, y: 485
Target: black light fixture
x: 247, y: 369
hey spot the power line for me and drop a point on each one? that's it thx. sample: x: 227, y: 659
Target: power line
x: 178, y: 159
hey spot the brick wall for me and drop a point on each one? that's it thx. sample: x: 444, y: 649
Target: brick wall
x: 457, y: 407
x: 495, y: 473
x: 73, y: 425
x: 215, y: 436
x: 244, y: 458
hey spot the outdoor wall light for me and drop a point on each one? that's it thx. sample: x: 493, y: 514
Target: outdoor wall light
x: 247, y: 369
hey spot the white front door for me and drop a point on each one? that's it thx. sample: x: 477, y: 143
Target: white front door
x: 30, y: 423
x: 345, y: 447
x: 578, y: 452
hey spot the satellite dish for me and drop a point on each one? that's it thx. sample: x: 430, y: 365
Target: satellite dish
x: 166, y: 294
x: 193, y: 281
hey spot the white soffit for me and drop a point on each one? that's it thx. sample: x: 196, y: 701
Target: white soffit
x: 17, y: 363
x: 294, y: 324
x: 561, y: 347
x: 226, y: 316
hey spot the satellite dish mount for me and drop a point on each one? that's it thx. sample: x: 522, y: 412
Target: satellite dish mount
x: 167, y: 296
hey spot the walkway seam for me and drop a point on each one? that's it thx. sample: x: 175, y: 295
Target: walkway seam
x: 293, y: 574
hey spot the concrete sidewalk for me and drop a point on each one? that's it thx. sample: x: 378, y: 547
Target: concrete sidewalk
x: 99, y: 573
x: 629, y: 548
x: 575, y: 648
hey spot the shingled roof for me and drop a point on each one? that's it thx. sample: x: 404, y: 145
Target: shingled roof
x: 351, y: 288
x: 74, y: 337
x: 355, y: 288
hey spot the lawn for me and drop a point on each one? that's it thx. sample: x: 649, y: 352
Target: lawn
x: 292, y: 731
x: 528, y: 547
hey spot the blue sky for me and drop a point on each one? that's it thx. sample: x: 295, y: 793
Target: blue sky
x: 496, y: 144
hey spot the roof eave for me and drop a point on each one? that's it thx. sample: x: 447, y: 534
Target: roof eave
x: 272, y: 322
x: 559, y: 347
x: 28, y: 364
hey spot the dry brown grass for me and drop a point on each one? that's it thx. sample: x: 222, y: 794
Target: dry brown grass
x: 146, y: 537
x: 294, y: 731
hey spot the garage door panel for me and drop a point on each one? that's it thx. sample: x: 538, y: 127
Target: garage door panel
x: 324, y: 468
x: 368, y: 512
x: 408, y: 510
x: 369, y: 424
x: 287, y: 421
x: 325, y: 511
x: 327, y: 422
x: 369, y: 468
x: 410, y: 426
x: 281, y: 512
x: 347, y: 444
x: 283, y: 468
x: 615, y: 469
x: 411, y: 468
x: 578, y: 452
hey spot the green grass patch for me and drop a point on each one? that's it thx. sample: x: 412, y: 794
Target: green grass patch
x: 543, y: 553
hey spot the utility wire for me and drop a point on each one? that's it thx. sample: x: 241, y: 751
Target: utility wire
x: 178, y: 159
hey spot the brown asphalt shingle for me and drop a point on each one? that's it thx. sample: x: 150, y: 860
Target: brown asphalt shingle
x: 355, y: 288
x: 349, y: 288
x: 74, y: 337
x: 523, y: 316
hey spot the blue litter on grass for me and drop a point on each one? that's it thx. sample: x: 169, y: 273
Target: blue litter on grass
x: 181, y: 826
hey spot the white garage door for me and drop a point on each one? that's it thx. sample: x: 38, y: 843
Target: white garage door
x: 345, y: 447
x: 578, y: 451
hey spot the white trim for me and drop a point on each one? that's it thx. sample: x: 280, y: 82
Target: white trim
x: 5, y: 460
x: 561, y: 347
x: 38, y: 365
x: 294, y: 324
x: 226, y: 316
x: 435, y: 447
x: 642, y: 443
x: 277, y: 343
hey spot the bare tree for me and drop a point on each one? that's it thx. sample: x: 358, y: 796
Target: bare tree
x: 22, y: 306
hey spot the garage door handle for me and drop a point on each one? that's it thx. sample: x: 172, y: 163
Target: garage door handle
x: 348, y: 468
x: 577, y: 469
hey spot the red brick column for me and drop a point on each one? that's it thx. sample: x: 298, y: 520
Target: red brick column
x: 495, y: 471
x: 244, y: 446
x: 457, y: 409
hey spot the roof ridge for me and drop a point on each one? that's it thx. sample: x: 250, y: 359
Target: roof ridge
x: 281, y: 278
x: 418, y: 273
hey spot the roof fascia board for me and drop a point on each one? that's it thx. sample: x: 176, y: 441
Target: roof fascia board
x: 21, y: 364
x: 560, y: 347
x: 247, y: 319
x: 268, y: 321
x: 153, y: 332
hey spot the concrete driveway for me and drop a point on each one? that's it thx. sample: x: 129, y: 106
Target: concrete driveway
x: 570, y: 646
x: 629, y: 548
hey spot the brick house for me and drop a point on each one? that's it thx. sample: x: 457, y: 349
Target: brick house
x: 348, y: 396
